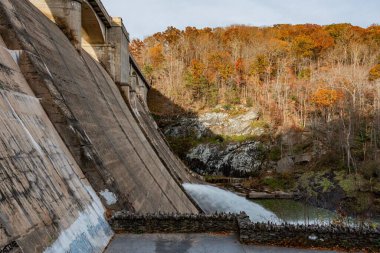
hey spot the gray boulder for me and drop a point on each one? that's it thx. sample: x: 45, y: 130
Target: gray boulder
x: 234, y: 159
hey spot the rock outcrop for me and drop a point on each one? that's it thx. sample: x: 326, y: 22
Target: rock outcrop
x: 217, y: 123
x: 234, y: 159
x: 224, y: 141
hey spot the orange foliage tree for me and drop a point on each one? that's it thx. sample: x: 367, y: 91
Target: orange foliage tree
x: 326, y: 97
x: 156, y: 55
x: 326, y: 100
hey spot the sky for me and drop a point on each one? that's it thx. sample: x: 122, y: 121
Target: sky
x: 146, y: 17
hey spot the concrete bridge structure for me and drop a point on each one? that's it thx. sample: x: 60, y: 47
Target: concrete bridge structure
x: 76, y: 136
x: 105, y: 38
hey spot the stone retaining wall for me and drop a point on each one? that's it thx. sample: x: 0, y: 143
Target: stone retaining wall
x: 309, y: 236
x: 361, y: 238
x: 124, y: 222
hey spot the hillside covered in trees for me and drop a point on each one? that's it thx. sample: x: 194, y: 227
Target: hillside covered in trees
x: 324, y: 80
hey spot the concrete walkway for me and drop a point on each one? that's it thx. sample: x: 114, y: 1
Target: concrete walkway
x: 189, y: 243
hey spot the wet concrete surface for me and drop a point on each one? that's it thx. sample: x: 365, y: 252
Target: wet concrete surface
x: 190, y: 243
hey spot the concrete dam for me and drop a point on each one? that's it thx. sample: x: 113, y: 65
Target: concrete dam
x: 77, y: 139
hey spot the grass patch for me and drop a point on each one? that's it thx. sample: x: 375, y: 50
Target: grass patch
x: 238, y: 138
x: 231, y: 110
x: 314, y: 182
x: 304, y: 182
x: 227, y: 107
x: 260, y: 124
x: 279, y: 183
x: 182, y: 145
x: 346, y: 182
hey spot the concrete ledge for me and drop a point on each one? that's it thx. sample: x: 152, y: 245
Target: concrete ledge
x: 101, y: 12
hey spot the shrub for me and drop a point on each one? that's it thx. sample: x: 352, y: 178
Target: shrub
x: 374, y: 73
x: 326, y: 184
x: 276, y: 183
x: 227, y: 107
x: 275, y: 154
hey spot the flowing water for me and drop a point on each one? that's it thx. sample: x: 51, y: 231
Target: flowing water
x: 213, y: 199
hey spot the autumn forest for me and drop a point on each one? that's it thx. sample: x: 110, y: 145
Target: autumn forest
x: 322, y: 82
x: 300, y: 76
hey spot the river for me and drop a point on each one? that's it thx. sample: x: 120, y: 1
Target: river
x: 213, y: 199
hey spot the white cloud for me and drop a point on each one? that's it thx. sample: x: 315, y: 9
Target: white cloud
x: 145, y: 17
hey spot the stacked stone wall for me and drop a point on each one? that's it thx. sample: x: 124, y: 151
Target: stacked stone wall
x: 174, y: 223
x: 284, y: 235
x: 309, y: 236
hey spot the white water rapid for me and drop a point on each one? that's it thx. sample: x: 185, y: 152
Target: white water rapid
x: 213, y: 199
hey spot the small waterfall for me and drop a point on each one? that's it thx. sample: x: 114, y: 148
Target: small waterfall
x: 213, y: 199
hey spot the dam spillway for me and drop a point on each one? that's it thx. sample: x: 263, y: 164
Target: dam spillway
x: 76, y: 136
x: 213, y: 199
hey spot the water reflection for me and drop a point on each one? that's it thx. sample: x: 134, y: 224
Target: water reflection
x: 213, y: 199
x: 295, y: 212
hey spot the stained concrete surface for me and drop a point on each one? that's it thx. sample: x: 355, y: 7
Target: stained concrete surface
x: 44, y: 197
x: 190, y: 243
x: 65, y: 128
x: 90, y: 114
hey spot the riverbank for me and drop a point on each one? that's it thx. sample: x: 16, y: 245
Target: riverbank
x: 290, y: 207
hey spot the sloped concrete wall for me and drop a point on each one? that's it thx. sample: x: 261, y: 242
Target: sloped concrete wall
x: 179, y: 171
x: 46, y: 204
x: 80, y: 97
